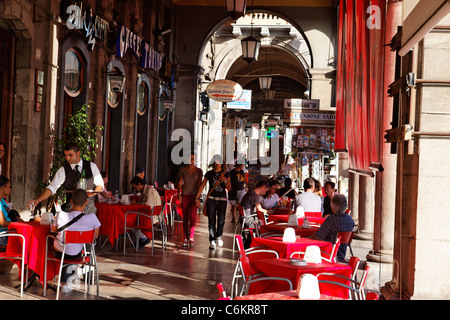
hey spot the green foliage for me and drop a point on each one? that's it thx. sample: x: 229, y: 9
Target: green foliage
x: 78, y: 130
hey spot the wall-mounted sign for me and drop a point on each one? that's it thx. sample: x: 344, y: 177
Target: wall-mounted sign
x: 224, y: 90
x: 242, y: 103
x: 78, y: 15
x: 303, y: 104
x: 127, y: 39
x: 309, y: 117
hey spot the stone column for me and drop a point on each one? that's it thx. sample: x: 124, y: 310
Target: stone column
x: 353, y: 196
x: 365, y: 208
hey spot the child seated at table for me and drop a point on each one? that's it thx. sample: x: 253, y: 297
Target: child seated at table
x: 85, y: 223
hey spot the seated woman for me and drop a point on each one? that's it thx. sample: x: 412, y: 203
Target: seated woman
x: 271, y: 200
x: 6, y: 215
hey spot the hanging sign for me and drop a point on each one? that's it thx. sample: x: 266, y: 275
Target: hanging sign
x: 224, y: 90
x: 127, y: 39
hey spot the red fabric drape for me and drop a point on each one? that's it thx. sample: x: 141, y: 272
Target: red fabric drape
x: 359, y: 83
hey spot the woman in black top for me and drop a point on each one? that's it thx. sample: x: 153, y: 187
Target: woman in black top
x: 216, y: 202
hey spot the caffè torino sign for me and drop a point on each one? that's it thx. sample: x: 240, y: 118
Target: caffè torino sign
x: 128, y: 40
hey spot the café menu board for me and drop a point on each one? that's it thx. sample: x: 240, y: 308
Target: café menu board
x: 314, y: 138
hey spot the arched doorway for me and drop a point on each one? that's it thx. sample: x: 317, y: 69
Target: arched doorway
x: 113, y: 140
x: 142, y: 121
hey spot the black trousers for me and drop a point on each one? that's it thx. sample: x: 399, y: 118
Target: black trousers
x: 216, y: 210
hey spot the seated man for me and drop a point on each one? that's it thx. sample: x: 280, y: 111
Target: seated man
x: 329, y: 191
x: 337, y: 222
x: 87, y: 222
x: 251, y: 202
x: 150, y: 197
x: 308, y: 200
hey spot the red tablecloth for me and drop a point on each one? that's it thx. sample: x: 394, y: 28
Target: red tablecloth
x: 279, y: 228
x: 35, y: 238
x: 280, y: 295
x: 285, y: 249
x: 285, y: 218
x: 282, y: 268
x: 112, y: 218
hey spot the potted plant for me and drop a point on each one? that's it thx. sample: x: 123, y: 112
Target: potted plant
x: 77, y: 129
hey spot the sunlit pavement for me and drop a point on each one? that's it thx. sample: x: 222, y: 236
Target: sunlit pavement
x: 179, y: 274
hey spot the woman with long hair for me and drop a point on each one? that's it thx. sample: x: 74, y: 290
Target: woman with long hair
x: 216, y: 200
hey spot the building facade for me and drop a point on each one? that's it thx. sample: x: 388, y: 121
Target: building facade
x: 60, y: 55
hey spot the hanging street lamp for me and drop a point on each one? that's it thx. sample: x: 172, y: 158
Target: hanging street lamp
x: 250, y: 48
x: 236, y: 8
x: 264, y: 83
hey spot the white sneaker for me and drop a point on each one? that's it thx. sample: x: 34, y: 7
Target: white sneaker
x: 66, y: 288
x: 212, y: 246
x: 219, y: 242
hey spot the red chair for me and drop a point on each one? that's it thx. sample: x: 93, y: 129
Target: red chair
x: 222, y: 293
x: 240, y: 224
x: 356, y: 287
x: 372, y: 296
x: 88, y: 258
x: 244, y: 272
x: 327, y: 256
x: 313, y: 214
x: 16, y: 256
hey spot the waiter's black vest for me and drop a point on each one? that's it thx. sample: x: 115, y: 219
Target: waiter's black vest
x: 70, y: 184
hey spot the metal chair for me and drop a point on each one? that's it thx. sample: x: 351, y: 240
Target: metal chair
x: 244, y: 272
x: 136, y: 223
x: 240, y: 224
x: 17, y: 256
x: 356, y: 287
x: 327, y: 256
x: 88, y: 258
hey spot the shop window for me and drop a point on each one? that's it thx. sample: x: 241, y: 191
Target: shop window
x: 73, y: 79
x: 142, y: 98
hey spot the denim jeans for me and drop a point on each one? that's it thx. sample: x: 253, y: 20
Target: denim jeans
x: 216, y: 210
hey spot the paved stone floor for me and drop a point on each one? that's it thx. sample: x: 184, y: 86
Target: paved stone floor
x: 178, y: 274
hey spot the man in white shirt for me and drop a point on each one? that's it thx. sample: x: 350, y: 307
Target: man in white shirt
x: 308, y: 200
x: 69, y: 175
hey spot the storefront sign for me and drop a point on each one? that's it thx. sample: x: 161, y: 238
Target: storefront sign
x: 78, y: 15
x: 224, y: 90
x: 126, y: 39
x: 300, y: 117
x: 243, y: 103
x: 303, y: 104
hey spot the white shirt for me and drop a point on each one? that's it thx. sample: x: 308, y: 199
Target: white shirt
x: 60, y: 176
x: 87, y: 222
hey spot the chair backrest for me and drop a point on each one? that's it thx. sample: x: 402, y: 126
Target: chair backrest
x: 354, y: 264
x: 335, y: 249
x: 313, y: 214
x: 240, y: 210
x: 261, y: 217
x: 157, y: 210
x: 345, y: 236
x: 71, y: 236
x: 243, y: 258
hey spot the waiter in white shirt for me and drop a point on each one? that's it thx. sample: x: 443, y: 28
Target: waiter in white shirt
x: 69, y: 175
